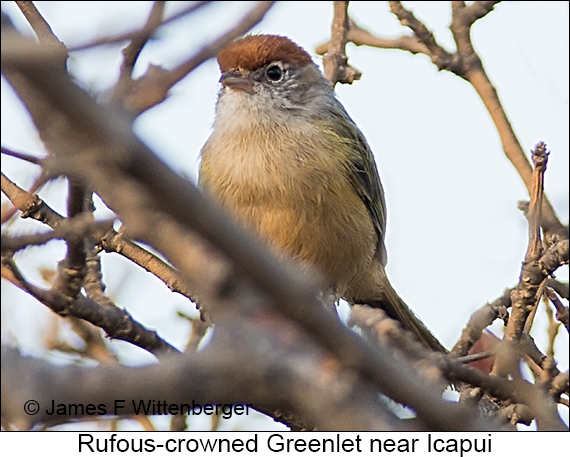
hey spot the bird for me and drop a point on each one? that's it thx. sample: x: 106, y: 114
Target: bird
x: 286, y: 161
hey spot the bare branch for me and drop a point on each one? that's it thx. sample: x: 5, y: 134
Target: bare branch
x: 79, y: 226
x: 243, y: 288
x: 235, y: 369
x: 116, y: 322
x: 335, y: 62
x: 524, y: 296
x: 466, y: 64
x: 142, y: 34
x: 362, y: 37
x: 432, y: 365
x: 118, y: 242
x: 561, y: 288
x: 480, y: 320
x: 34, y: 207
x: 152, y: 88
x: 475, y: 357
x: 561, y: 310
x: 541, y: 404
x: 133, y: 50
x: 540, y: 159
x: 43, y: 30
x: 22, y: 155
x: 39, y: 25
x: 71, y: 270
x: 443, y: 59
x: 126, y: 174
x: 29, y: 204
x: 560, y: 384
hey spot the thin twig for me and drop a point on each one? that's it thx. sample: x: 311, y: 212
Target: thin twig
x: 126, y: 174
x: 147, y: 31
x: 524, y: 297
x: 9, y: 212
x: 561, y: 310
x: 480, y: 320
x: 561, y: 288
x: 362, y: 37
x: 466, y: 64
x: 79, y: 226
x: 455, y: 370
x: 539, y: 159
x: 34, y: 207
x: 28, y: 203
x: 133, y: 50
x: 43, y: 30
x: 552, y: 331
x: 475, y: 357
x: 39, y: 25
x: 120, y: 243
x: 335, y: 62
x: 542, y: 405
x: 152, y: 88
x: 22, y: 155
x: 116, y: 322
x: 560, y: 384
x: 443, y: 59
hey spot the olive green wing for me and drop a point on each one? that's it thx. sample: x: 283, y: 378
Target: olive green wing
x: 366, y: 180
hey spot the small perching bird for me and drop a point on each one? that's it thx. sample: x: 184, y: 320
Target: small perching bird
x: 288, y: 162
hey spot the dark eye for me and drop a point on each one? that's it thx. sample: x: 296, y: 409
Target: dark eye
x: 274, y: 73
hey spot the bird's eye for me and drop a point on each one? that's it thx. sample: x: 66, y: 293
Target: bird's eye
x: 274, y: 73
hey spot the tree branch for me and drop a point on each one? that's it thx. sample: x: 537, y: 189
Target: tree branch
x: 466, y: 64
x: 116, y: 322
x: 152, y: 88
x: 101, y: 149
x: 335, y: 62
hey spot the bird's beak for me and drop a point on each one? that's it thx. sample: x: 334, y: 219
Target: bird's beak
x: 234, y: 80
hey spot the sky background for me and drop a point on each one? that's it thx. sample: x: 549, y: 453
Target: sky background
x: 455, y: 237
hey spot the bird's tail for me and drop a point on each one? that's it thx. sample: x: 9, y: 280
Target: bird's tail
x: 396, y: 308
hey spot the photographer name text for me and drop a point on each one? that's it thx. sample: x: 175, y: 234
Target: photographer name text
x: 147, y: 408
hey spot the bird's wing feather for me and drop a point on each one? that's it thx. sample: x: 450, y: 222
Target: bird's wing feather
x: 365, y: 178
